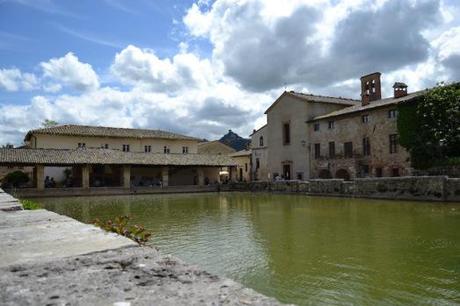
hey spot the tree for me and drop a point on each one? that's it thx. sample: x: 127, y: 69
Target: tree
x: 49, y: 123
x: 429, y: 128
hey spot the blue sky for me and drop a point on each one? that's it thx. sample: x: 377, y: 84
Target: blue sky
x: 203, y: 67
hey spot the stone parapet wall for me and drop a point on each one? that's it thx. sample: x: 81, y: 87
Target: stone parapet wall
x: 423, y: 188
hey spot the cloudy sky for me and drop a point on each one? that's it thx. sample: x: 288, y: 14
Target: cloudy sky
x: 204, y: 67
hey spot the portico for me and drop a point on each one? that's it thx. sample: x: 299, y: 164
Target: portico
x: 93, y: 168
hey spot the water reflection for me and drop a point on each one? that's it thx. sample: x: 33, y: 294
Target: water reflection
x: 299, y: 249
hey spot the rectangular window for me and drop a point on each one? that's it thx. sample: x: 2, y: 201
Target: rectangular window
x: 366, y: 146
x: 246, y: 167
x: 317, y: 150
x: 393, y: 143
x: 364, y: 170
x: 330, y: 124
x: 286, y: 133
x: 257, y: 163
x: 348, y: 149
x: 105, y: 146
x: 378, y: 172
x: 395, y: 172
x: 184, y: 150
x: 365, y: 118
x: 331, y: 149
x: 147, y: 149
x: 126, y: 148
x: 81, y: 145
x: 316, y: 126
x: 166, y: 149
x: 392, y: 113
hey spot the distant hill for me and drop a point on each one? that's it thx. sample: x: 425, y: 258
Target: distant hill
x: 232, y: 139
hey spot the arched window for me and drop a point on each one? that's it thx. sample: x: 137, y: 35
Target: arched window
x: 261, y: 141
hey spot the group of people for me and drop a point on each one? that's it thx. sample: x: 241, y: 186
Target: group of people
x: 49, y: 182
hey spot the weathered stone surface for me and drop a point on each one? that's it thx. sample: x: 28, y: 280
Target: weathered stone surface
x: 8, y: 203
x: 135, y: 276
x: 423, y: 188
x: 452, y: 189
x: 41, y: 235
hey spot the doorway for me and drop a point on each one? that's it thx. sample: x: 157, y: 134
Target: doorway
x: 287, y: 171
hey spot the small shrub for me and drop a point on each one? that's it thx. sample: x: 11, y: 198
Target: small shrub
x: 16, y: 179
x: 120, y: 226
x: 30, y: 205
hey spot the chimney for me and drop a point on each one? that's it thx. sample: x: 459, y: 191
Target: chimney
x: 370, y: 88
x: 400, y: 90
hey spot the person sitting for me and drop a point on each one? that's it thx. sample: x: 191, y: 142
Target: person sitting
x: 47, y: 182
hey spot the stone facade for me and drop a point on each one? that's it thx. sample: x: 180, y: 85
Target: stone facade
x: 286, y: 118
x: 324, y: 137
x: 379, y: 158
x: 243, y: 168
x: 259, y: 157
x: 43, y: 141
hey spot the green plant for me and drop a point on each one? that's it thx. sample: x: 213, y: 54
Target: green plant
x: 429, y: 127
x: 121, y: 226
x: 16, y: 179
x: 30, y: 205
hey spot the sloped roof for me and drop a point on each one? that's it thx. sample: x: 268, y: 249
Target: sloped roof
x: 206, y: 146
x: 107, y: 156
x: 259, y: 129
x: 240, y: 153
x: 316, y: 99
x: 102, y: 131
x: 371, y: 105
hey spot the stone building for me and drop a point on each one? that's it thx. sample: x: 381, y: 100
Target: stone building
x: 310, y: 136
x: 243, y: 165
x: 361, y: 140
x: 95, y: 156
x: 259, y: 157
x: 287, y: 134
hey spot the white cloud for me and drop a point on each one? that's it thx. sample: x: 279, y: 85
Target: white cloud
x: 142, y: 68
x: 14, y: 80
x: 266, y: 44
x: 68, y: 70
x: 259, y: 47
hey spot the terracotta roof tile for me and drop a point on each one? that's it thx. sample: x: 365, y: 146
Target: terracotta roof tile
x: 106, y: 156
x: 101, y: 131
x: 371, y: 105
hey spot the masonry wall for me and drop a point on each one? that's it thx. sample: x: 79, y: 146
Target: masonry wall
x: 350, y: 128
x: 423, y: 188
x: 136, y: 145
x: 260, y: 152
x: 295, y: 112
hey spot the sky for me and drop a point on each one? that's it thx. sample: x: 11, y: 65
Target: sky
x: 203, y: 67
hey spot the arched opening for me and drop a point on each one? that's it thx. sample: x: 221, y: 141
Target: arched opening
x: 325, y: 174
x: 342, y: 174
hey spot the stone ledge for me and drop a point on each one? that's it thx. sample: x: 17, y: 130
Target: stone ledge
x: 137, y: 276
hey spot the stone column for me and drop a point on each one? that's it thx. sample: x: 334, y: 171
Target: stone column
x: 85, y: 176
x: 40, y: 177
x: 126, y: 176
x: 233, y: 173
x: 165, y: 176
x: 218, y: 176
x: 200, y: 173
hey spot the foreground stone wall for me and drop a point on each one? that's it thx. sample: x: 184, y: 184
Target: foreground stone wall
x: 423, y: 188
